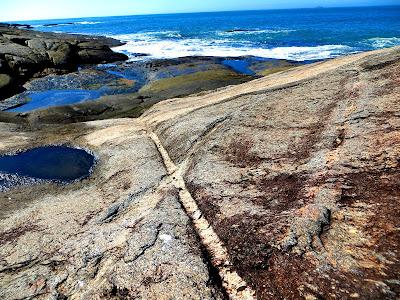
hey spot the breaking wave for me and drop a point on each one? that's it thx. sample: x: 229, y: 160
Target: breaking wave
x: 66, y: 24
x: 380, y: 42
x: 158, y: 45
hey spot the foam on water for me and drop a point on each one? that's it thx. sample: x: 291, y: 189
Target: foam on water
x: 384, y: 42
x: 87, y: 23
x: 156, y: 47
x: 297, y: 34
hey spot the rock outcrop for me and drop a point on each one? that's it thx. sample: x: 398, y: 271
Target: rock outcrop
x: 117, y: 235
x: 298, y: 174
x: 25, y: 54
x: 287, y: 185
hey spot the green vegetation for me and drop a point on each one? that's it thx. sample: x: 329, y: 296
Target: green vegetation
x: 275, y: 70
x: 194, y: 82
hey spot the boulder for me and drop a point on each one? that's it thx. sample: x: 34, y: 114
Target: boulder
x: 63, y: 56
x: 5, y: 81
x: 95, y: 56
x: 21, y: 66
x: 3, y: 65
x: 92, y: 45
x: 37, y: 44
x: 26, y: 53
x: 11, y: 48
x: 6, y: 85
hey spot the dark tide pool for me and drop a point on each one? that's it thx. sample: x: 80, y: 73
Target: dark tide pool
x: 49, y: 163
x: 45, y: 99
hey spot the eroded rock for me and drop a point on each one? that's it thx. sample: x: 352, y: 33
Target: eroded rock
x: 121, y: 233
x: 26, y: 53
x: 299, y: 181
x: 297, y: 174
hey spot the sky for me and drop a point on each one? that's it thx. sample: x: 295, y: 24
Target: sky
x: 21, y: 10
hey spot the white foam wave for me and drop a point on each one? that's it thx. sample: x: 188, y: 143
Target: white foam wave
x: 379, y: 42
x: 87, y: 23
x: 66, y: 24
x: 147, y: 36
x: 164, y: 48
x: 254, y: 32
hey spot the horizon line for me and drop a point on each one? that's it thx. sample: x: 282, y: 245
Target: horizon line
x: 198, y: 12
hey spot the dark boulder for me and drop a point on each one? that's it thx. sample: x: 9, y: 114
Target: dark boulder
x: 25, y: 53
x: 63, y: 56
x: 6, y: 85
x: 94, y: 56
x: 5, y: 80
x: 16, y: 25
x: 58, y: 24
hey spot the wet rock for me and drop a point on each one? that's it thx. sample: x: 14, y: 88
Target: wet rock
x: 5, y: 81
x: 25, y: 54
x: 127, y: 89
x: 2, y: 65
x: 62, y: 56
x: 90, y: 45
x: 57, y: 24
x: 38, y: 44
x: 239, y: 30
x: 97, y: 56
x: 16, y: 25
x: 6, y: 85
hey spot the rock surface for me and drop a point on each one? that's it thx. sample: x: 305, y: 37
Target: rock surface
x: 297, y: 173
x: 301, y: 180
x: 25, y: 54
x: 120, y: 234
x: 126, y: 89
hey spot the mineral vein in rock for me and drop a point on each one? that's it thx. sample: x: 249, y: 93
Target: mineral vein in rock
x: 235, y: 286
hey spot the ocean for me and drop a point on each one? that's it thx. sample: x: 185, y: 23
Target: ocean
x: 296, y: 34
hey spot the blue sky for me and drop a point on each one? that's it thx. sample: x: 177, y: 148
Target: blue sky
x: 13, y: 10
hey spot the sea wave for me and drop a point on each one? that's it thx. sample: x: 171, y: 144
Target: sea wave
x: 380, y: 42
x: 88, y: 23
x: 148, y: 36
x: 238, y: 32
x: 66, y: 24
x: 154, y: 47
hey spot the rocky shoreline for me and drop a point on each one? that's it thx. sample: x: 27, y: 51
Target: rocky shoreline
x: 35, y: 62
x: 279, y: 187
x: 26, y: 54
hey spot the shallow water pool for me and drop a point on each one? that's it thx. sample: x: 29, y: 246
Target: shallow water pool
x: 49, y: 163
x: 238, y: 65
x: 50, y: 98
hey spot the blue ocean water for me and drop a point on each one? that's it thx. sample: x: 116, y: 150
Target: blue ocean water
x: 297, y: 34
